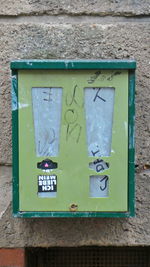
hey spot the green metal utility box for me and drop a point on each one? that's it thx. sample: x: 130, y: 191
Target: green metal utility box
x: 73, y: 138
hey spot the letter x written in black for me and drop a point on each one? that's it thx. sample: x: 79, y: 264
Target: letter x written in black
x: 97, y: 95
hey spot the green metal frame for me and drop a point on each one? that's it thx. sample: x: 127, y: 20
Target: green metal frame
x: 72, y: 64
x: 130, y: 65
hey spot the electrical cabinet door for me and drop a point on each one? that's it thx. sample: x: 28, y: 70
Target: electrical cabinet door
x: 73, y: 140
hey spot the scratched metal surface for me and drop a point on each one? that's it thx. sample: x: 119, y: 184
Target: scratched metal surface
x: 47, y: 104
x: 99, y: 120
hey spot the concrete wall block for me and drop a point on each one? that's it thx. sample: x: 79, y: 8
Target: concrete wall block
x: 89, y: 7
x: 5, y: 188
x: 43, y: 41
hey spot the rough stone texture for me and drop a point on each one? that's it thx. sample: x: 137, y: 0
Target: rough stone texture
x: 78, y: 41
x: 78, y: 7
x: 5, y: 189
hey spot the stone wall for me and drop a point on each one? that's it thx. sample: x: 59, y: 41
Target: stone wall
x: 80, y: 29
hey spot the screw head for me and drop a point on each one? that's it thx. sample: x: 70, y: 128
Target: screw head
x: 73, y: 207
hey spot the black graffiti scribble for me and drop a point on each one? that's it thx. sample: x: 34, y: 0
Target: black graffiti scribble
x: 73, y: 114
x: 94, y: 77
x: 98, y: 161
x: 72, y: 97
x: 105, y: 178
x: 44, y: 149
x: 95, y: 152
x: 113, y: 74
x: 99, y: 165
x: 97, y: 95
x: 71, y: 129
x: 49, y: 96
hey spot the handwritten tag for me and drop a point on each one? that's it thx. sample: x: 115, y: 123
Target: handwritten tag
x: 99, y: 186
x: 99, y: 106
x: 73, y: 103
x: 99, y: 165
x: 47, y: 106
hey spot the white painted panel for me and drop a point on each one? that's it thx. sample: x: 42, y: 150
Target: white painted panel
x: 99, y: 106
x: 47, y: 194
x: 47, y: 107
x: 99, y: 186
